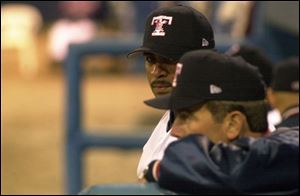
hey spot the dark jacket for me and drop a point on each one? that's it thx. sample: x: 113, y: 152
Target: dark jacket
x: 290, y: 117
x: 268, y: 165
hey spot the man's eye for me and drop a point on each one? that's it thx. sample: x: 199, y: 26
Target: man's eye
x: 150, y: 60
x: 153, y: 60
x: 183, y: 114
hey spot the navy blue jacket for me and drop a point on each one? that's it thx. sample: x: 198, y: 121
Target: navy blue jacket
x: 268, y: 165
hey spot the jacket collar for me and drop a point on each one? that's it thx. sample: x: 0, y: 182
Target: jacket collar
x: 291, y: 111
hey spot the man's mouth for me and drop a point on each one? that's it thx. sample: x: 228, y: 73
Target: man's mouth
x: 161, y: 87
x: 161, y: 84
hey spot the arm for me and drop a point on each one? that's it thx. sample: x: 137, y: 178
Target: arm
x: 188, y: 167
x: 194, y: 165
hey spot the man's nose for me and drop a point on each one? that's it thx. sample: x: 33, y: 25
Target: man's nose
x: 157, y: 70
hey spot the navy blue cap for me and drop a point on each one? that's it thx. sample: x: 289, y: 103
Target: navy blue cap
x: 203, y: 75
x: 255, y: 56
x: 172, y: 31
x: 286, y: 75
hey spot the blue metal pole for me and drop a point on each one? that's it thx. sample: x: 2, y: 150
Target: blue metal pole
x: 73, y: 148
x: 76, y: 140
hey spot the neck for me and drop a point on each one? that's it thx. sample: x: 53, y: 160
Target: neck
x: 285, y: 100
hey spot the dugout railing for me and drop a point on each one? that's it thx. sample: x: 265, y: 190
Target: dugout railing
x: 77, y: 138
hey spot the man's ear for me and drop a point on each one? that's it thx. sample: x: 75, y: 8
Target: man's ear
x: 235, y: 122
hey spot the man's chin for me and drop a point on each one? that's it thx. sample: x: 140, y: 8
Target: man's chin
x: 161, y: 93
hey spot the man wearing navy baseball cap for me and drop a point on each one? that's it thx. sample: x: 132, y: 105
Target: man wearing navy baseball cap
x: 221, y: 83
x: 284, y: 91
x: 169, y: 33
x: 221, y: 118
x: 257, y: 57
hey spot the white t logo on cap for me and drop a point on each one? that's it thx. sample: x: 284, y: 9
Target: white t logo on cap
x: 177, y: 73
x: 214, y: 89
x: 159, y: 21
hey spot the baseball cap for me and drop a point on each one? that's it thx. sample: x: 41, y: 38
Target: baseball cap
x: 286, y: 75
x: 172, y: 31
x: 204, y: 75
x: 254, y: 56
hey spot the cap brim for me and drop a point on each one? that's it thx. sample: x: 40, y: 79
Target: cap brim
x: 167, y: 103
x: 161, y: 102
x: 139, y: 51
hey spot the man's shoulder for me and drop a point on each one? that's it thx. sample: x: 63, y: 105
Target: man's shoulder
x: 160, y: 135
x: 289, y: 122
x: 288, y: 135
x: 165, y: 118
x: 162, y: 124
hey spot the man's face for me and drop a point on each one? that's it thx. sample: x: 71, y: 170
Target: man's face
x: 200, y: 121
x: 160, y: 73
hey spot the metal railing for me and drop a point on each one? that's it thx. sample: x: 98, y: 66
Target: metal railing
x: 77, y: 138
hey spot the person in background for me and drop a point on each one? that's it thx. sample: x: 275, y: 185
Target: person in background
x: 284, y: 91
x: 255, y: 56
x: 79, y: 22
